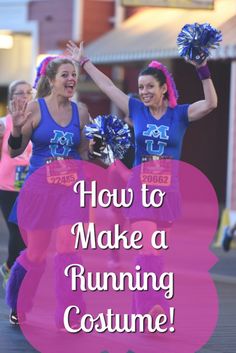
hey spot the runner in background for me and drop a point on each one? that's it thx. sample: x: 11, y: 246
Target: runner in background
x: 228, y: 235
x: 12, y: 174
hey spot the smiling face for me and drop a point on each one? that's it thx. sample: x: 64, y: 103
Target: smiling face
x: 23, y: 91
x: 65, y: 80
x: 19, y: 91
x: 150, y: 91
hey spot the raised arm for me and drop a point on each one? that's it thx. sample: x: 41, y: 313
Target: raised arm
x: 203, y: 107
x: 21, y: 113
x: 100, y: 79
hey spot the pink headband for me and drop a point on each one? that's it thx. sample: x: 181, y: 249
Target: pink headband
x: 171, y: 88
x: 41, y: 69
x: 44, y: 64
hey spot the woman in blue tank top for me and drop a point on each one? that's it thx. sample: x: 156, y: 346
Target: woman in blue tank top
x: 54, y: 124
x: 159, y: 121
x: 159, y: 126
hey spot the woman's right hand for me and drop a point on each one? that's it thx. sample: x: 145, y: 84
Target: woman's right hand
x: 19, y: 115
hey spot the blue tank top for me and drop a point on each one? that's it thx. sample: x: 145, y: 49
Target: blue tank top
x: 161, y: 137
x: 51, y: 140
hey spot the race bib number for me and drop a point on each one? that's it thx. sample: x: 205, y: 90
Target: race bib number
x: 21, y: 172
x: 59, y: 171
x: 156, y: 174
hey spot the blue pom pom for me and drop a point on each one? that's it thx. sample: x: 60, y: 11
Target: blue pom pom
x: 116, y: 134
x: 195, y: 41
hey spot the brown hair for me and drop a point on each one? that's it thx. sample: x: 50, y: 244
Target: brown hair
x: 43, y: 86
x: 13, y: 86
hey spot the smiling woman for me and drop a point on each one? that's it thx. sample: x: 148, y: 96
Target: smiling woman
x: 55, y: 70
x: 54, y: 124
x: 159, y: 125
x: 158, y: 108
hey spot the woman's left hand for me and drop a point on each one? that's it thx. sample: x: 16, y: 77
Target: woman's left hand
x: 76, y: 53
x: 197, y: 65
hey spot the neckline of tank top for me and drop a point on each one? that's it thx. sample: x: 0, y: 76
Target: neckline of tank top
x: 161, y: 117
x: 52, y: 118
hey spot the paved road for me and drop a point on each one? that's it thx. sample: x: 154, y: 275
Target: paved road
x: 222, y: 341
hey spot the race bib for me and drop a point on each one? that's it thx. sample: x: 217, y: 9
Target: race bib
x: 156, y: 174
x: 21, y: 172
x: 60, y: 171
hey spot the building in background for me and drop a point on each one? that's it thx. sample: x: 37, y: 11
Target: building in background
x: 122, y: 36
x: 31, y: 29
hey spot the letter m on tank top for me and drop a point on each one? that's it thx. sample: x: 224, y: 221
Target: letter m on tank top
x: 60, y: 144
x: 156, y: 132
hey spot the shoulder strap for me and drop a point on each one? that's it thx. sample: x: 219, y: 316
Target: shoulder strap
x: 75, y: 113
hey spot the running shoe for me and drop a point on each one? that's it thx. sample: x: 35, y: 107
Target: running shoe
x: 13, y: 318
x: 5, y: 273
x: 227, y: 238
x: 16, y: 319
